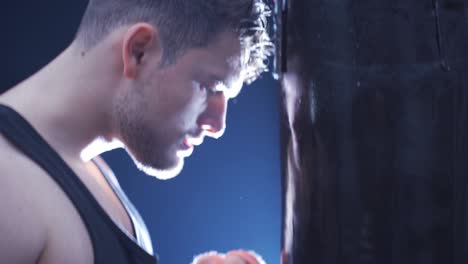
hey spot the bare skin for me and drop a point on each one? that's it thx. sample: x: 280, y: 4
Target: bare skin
x: 71, y: 103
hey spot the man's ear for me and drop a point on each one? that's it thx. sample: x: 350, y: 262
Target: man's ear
x: 140, y: 40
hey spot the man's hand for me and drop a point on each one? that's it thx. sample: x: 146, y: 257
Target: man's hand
x: 232, y: 257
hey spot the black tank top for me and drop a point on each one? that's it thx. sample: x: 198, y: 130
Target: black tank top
x: 110, y: 243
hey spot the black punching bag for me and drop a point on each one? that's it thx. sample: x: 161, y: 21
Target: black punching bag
x: 375, y: 131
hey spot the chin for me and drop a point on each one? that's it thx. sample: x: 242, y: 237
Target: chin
x: 163, y: 165
x: 162, y: 174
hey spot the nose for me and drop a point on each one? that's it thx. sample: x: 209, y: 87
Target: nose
x: 213, y: 120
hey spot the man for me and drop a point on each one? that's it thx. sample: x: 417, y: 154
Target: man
x: 153, y: 76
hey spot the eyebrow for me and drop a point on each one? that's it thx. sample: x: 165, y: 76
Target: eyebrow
x: 221, y: 75
x: 218, y: 79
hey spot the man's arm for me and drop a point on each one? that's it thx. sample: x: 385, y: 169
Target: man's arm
x: 22, y: 231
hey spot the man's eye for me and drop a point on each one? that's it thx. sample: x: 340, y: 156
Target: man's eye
x: 210, y: 89
x: 206, y: 88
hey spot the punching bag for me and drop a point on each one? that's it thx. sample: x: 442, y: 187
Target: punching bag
x: 375, y: 131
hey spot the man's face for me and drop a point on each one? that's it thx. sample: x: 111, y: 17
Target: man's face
x: 167, y: 111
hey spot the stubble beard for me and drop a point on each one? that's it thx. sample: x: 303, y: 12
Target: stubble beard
x: 148, y: 147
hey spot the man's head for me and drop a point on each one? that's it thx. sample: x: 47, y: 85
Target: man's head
x: 180, y: 63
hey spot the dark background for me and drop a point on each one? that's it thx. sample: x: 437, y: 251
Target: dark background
x: 381, y: 131
x: 228, y: 195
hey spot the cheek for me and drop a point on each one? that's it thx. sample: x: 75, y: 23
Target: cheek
x: 178, y: 100
x: 193, y: 107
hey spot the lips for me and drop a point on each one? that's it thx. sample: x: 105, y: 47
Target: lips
x: 186, y: 143
x: 193, y: 141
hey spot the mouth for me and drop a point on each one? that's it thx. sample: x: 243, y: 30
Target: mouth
x: 188, y: 144
x: 185, y: 149
x: 193, y: 141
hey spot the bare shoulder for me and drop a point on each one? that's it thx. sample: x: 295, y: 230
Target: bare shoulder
x: 22, y: 226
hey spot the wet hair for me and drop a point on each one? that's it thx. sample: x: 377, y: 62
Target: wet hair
x: 185, y: 24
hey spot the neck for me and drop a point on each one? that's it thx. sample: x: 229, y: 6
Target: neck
x: 69, y: 102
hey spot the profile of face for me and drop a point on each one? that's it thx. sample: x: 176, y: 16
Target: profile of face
x: 163, y: 112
